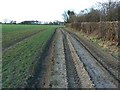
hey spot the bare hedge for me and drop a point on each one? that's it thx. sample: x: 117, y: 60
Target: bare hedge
x: 104, y: 30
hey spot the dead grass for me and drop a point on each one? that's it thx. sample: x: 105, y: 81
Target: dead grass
x: 106, y: 46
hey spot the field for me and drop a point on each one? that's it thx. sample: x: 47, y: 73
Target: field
x: 46, y: 56
x: 22, y: 47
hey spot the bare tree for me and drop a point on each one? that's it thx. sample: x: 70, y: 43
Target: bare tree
x: 69, y: 16
x: 72, y: 16
x: 109, y: 10
x: 65, y: 16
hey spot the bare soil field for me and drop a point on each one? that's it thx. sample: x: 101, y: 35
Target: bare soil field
x: 71, y: 62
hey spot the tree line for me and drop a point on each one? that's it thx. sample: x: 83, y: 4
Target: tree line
x: 33, y: 22
x: 107, y: 11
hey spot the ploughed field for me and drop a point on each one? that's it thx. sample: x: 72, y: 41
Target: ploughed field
x: 51, y: 57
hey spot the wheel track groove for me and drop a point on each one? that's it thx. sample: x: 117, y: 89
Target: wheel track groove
x: 72, y: 76
x: 115, y: 80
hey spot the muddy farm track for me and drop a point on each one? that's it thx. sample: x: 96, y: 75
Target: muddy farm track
x: 71, y: 62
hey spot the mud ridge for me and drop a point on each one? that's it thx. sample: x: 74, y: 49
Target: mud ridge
x: 58, y: 78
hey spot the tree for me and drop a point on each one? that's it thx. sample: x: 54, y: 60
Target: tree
x: 12, y: 22
x: 69, y: 16
x: 72, y: 16
x: 109, y: 10
x: 65, y: 16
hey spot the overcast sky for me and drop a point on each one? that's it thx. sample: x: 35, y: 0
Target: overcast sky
x: 42, y: 10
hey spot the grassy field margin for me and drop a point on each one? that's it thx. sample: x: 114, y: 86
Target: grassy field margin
x: 20, y: 60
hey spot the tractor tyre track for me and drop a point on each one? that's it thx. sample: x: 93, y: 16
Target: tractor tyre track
x: 100, y: 76
x: 68, y: 63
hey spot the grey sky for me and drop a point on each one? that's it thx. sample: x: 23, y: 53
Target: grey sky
x: 42, y: 10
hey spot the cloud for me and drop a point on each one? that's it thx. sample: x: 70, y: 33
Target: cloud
x: 43, y: 10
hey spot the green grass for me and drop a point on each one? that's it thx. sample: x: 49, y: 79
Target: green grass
x: 14, y: 33
x: 19, y: 61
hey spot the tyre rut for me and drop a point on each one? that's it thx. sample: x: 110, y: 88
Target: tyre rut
x: 99, y: 75
x: 72, y: 77
x: 106, y: 60
x: 66, y: 63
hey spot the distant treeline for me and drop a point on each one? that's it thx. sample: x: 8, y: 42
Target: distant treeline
x: 38, y: 22
x: 108, y: 11
x: 34, y: 22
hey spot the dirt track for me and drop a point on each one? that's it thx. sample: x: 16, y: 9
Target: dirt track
x: 68, y: 63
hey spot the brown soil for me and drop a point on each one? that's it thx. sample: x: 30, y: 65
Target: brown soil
x: 71, y: 62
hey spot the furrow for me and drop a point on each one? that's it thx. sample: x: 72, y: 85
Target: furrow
x: 98, y: 74
x: 82, y: 73
x: 72, y: 76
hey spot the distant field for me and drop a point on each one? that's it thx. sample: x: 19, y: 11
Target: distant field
x: 22, y: 47
x: 15, y: 33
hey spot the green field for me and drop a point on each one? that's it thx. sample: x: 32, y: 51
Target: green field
x: 22, y: 47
